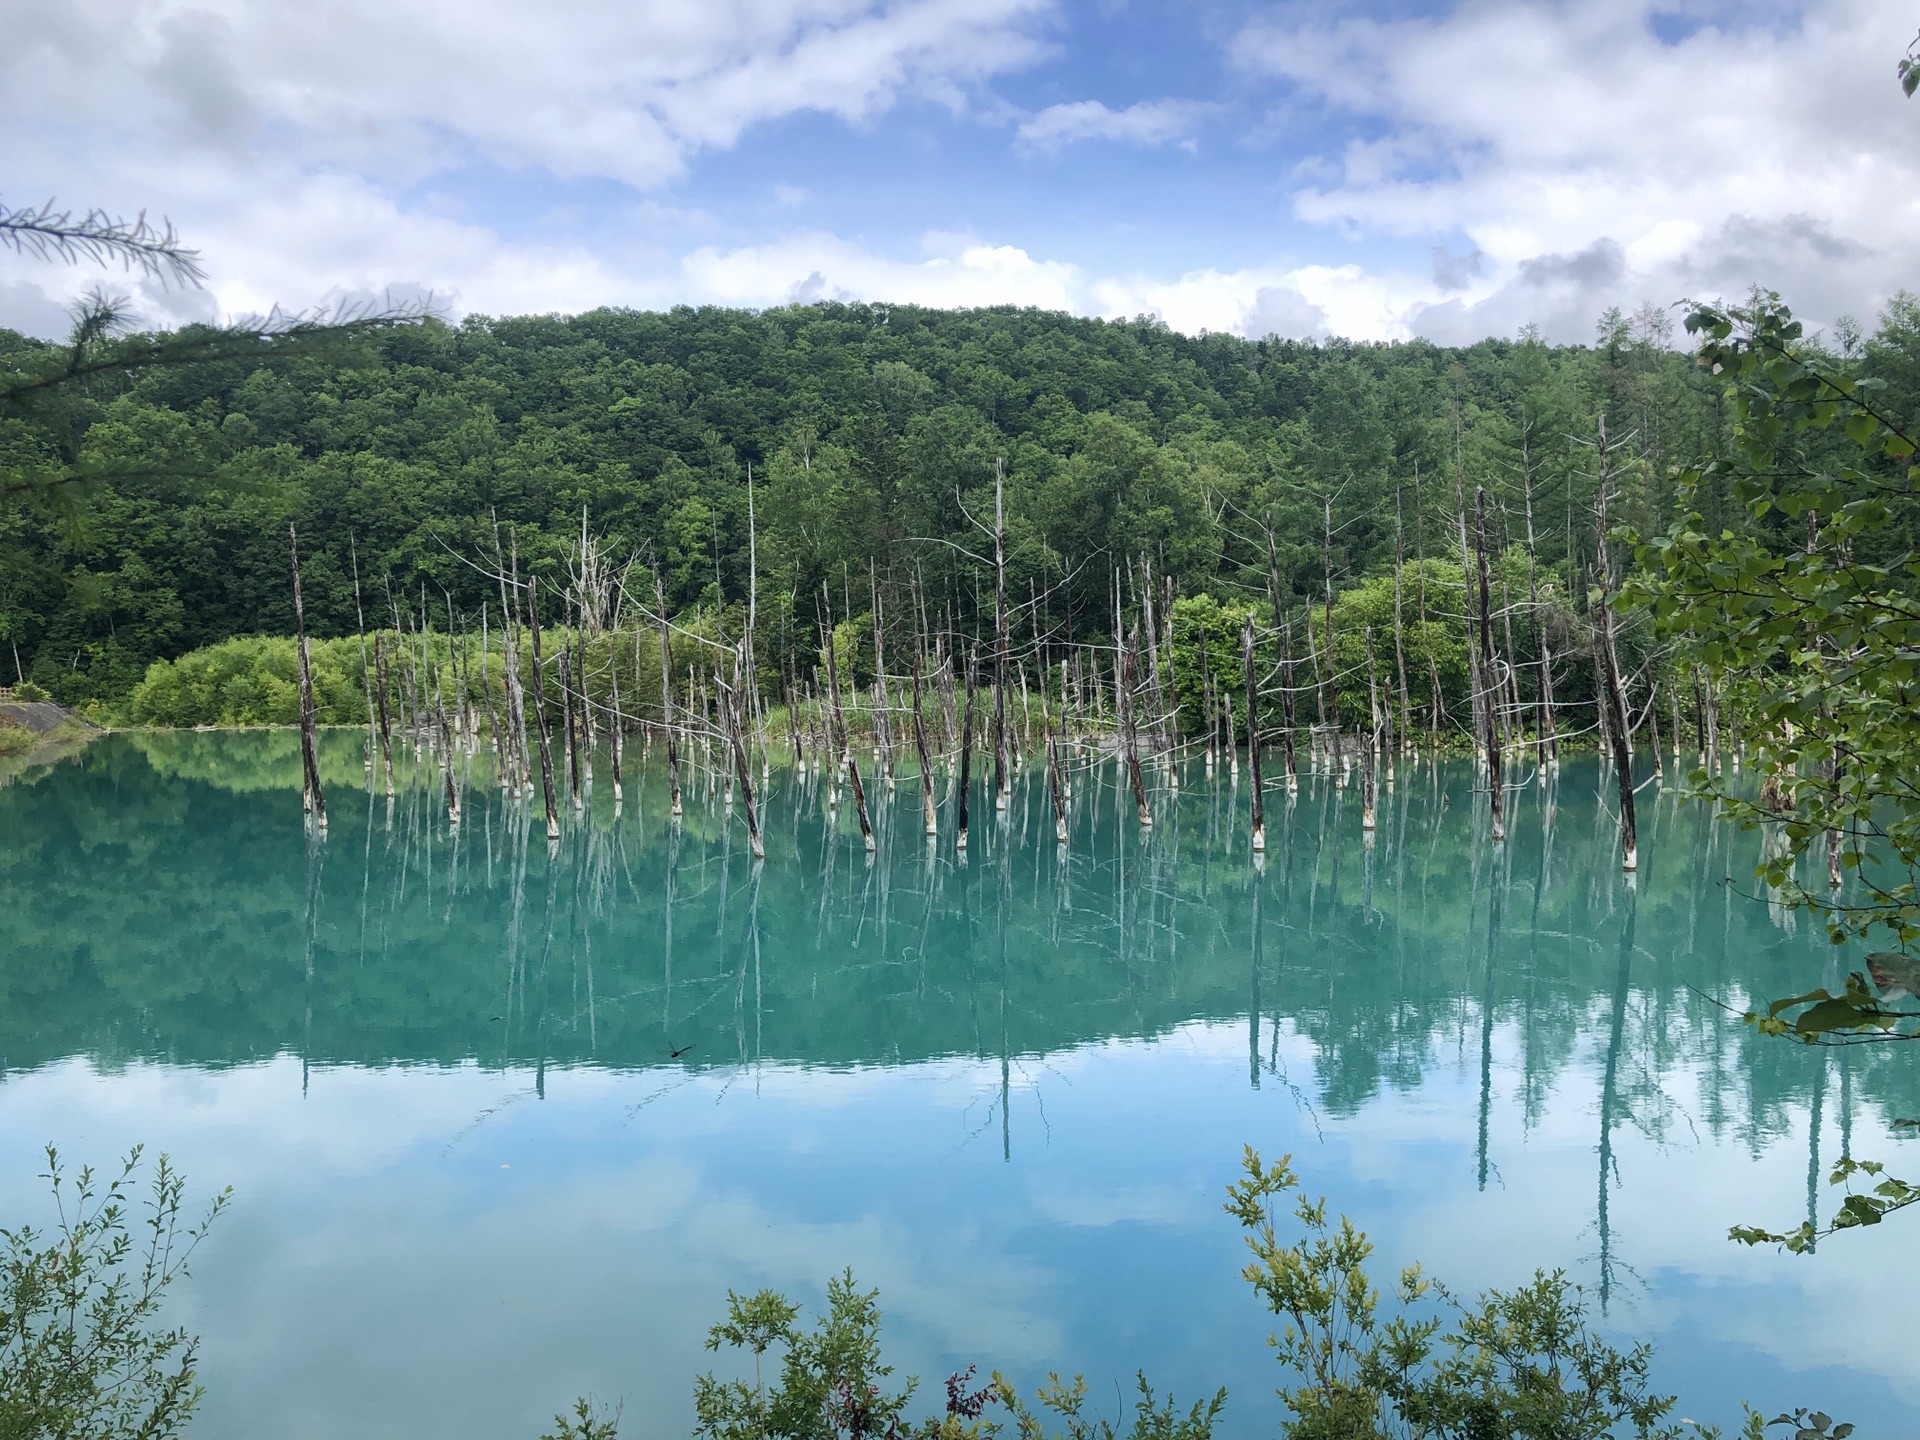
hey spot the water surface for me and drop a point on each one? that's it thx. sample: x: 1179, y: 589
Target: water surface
x: 504, y: 1122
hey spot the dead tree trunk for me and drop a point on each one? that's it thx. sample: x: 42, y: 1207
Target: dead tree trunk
x: 1056, y: 753
x: 1209, y: 726
x: 1129, y: 740
x: 1510, y: 704
x: 1370, y: 743
x: 926, y: 758
x: 730, y: 700
x: 882, y: 724
x: 1610, y: 666
x: 446, y: 748
x: 1437, y: 715
x: 666, y: 698
x: 1002, y: 789
x: 844, y: 740
x: 1399, y: 645
x: 564, y: 663
x: 366, y: 675
x: 1283, y: 629
x: 1162, y: 714
x: 1288, y: 715
x: 1496, y: 777
x: 1330, y: 703
x: 1549, y: 739
x: 314, y: 801
x: 1673, y: 715
x: 966, y: 752
x: 756, y: 714
x: 519, y: 759
x: 486, y: 695
x: 380, y: 699
x: 617, y: 724
x: 540, y: 710
x: 1476, y: 671
x: 1256, y: 798
x: 1318, y: 744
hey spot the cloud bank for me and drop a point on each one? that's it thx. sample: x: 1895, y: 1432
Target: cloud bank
x: 1594, y: 152
x: 1151, y: 122
x: 1502, y: 163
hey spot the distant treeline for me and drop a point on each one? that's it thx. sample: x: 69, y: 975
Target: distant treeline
x: 871, y: 435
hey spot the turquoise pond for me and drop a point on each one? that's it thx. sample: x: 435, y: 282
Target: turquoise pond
x: 472, y: 1179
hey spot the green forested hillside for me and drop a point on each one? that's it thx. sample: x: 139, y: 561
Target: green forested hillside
x: 871, y: 432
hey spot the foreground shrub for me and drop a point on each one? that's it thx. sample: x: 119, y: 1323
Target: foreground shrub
x: 82, y: 1353
x: 1517, y: 1364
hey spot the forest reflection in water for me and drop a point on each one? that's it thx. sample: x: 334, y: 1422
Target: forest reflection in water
x: 1428, y: 1012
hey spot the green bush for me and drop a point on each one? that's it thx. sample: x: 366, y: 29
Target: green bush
x: 832, y: 1386
x: 82, y: 1353
x: 254, y: 680
x: 30, y: 692
x: 1518, y: 1364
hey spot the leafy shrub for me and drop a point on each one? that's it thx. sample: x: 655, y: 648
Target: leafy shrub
x: 253, y: 680
x: 833, y: 1386
x: 28, y: 691
x: 1517, y: 1364
x: 82, y: 1353
x: 585, y: 1423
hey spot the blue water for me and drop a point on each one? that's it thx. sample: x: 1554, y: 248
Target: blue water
x: 1008, y: 1089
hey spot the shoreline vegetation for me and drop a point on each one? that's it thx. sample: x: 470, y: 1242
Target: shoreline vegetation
x: 85, y: 1352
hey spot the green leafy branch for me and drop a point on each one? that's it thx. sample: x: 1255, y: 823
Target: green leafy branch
x: 1857, y: 1014
x: 82, y: 1349
x: 1817, y: 646
x: 1859, y: 1208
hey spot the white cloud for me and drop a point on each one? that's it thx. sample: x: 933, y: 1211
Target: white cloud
x: 1151, y: 122
x: 1550, y: 157
x: 368, y: 245
x: 811, y: 266
x: 278, y: 137
x: 1589, y: 163
x: 612, y: 89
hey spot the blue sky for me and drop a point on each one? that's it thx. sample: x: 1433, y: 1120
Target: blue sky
x: 1376, y: 169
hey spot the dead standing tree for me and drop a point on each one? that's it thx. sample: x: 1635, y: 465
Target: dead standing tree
x: 730, y: 706
x: 1123, y: 701
x: 1002, y: 788
x: 1488, y: 703
x: 926, y: 759
x: 838, y: 722
x: 540, y: 706
x: 1609, y: 658
x: 666, y: 698
x: 314, y: 802
x: 1259, y: 813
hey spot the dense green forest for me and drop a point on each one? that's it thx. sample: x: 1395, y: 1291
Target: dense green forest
x: 871, y: 435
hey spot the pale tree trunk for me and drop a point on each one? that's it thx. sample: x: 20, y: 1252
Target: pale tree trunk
x: 314, y: 801
x: 1258, y: 811
x: 1610, y: 666
x: 1496, y: 778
